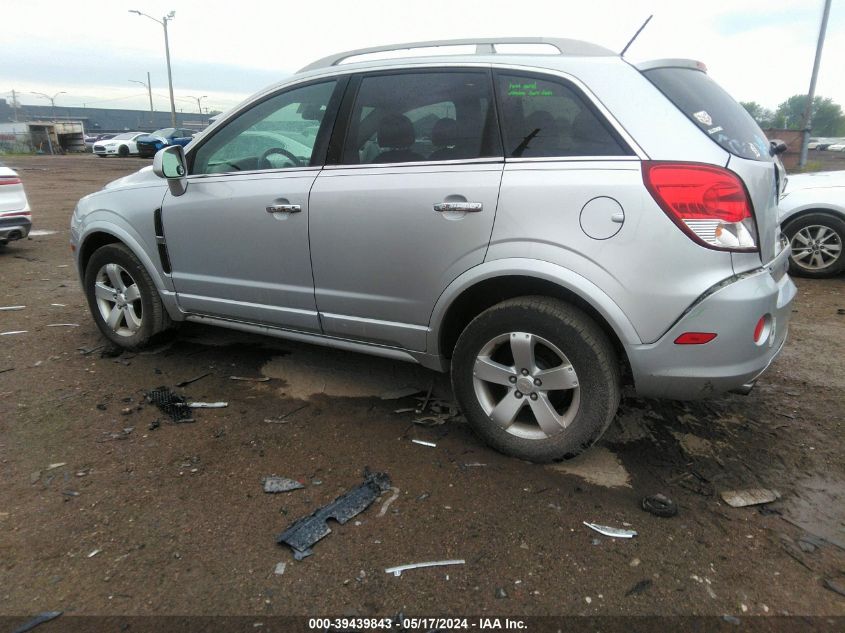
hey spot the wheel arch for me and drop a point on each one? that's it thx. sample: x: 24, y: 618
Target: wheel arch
x: 477, y: 290
x: 794, y: 216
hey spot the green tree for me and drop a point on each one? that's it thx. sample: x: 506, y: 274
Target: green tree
x: 827, y: 116
x: 762, y: 115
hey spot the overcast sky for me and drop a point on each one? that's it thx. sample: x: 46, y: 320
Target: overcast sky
x: 759, y: 50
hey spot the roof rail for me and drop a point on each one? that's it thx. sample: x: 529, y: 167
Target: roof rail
x: 483, y: 46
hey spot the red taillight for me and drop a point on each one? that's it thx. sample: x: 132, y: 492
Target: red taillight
x: 760, y: 327
x: 707, y: 203
x: 694, y: 338
x: 9, y: 180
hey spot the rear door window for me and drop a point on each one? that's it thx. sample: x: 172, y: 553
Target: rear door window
x: 713, y: 110
x: 546, y: 117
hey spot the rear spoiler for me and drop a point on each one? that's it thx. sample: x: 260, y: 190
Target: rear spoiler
x: 671, y: 63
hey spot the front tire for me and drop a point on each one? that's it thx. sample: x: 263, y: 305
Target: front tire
x: 123, y: 151
x: 817, y: 240
x: 536, y: 378
x: 123, y: 298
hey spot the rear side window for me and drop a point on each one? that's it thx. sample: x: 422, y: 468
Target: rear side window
x: 422, y: 116
x: 713, y: 110
x: 546, y: 117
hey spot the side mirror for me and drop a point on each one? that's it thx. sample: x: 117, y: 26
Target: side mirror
x: 170, y: 163
x: 776, y: 146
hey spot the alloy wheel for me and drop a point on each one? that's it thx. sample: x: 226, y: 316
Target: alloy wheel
x: 118, y: 299
x: 816, y: 247
x: 526, y: 385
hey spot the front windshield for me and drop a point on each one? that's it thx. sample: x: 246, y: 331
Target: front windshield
x: 124, y: 136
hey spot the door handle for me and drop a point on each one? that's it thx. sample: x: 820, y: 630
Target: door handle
x: 467, y: 207
x: 284, y: 208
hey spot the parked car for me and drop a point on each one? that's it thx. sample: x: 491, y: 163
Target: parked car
x: 812, y: 211
x: 825, y: 144
x: 15, y: 214
x: 91, y: 140
x: 122, y: 145
x: 569, y: 221
x: 839, y: 146
x: 149, y: 144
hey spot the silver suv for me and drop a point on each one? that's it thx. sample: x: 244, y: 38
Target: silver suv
x: 547, y: 226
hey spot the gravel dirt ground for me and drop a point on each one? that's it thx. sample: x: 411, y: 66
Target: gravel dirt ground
x: 100, y: 513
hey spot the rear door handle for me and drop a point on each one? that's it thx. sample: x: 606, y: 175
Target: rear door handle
x: 284, y: 208
x: 467, y: 207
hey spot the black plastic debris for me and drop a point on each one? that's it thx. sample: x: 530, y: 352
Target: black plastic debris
x: 643, y: 585
x: 185, y: 383
x: 305, y: 532
x: 38, y: 620
x: 170, y: 404
x: 660, y: 505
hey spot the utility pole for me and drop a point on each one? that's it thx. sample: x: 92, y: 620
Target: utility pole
x: 163, y: 23
x: 808, y: 107
x: 149, y: 87
x: 15, y: 105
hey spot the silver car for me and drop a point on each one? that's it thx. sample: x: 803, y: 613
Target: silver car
x: 546, y: 226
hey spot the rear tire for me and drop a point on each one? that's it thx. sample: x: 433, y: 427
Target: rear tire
x: 499, y: 366
x: 815, y: 239
x: 123, y: 298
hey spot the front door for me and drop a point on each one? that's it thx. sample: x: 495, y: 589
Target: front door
x: 411, y: 204
x: 238, y: 237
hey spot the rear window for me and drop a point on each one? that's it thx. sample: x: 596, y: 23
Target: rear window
x: 713, y: 110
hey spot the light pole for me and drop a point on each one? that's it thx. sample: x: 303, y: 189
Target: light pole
x: 808, y: 107
x: 148, y: 85
x: 199, y: 103
x: 52, y: 100
x: 163, y: 23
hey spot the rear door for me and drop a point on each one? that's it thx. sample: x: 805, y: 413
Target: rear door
x: 409, y: 205
x: 727, y: 123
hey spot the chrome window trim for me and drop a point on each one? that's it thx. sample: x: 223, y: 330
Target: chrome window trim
x: 336, y: 71
x: 420, y: 163
x: 253, y: 172
x: 573, y: 159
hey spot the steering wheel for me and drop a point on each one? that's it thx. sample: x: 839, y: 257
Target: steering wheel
x: 263, y: 163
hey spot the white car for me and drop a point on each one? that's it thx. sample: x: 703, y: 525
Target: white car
x: 15, y: 215
x: 812, y: 216
x: 837, y: 147
x: 122, y: 145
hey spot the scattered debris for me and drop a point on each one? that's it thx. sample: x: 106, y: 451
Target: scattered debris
x: 749, y: 497
x: 154, y: 425
x: 432, y: 420
x: 611, y: 531
x: 70, y: 493
x: 305, y: 532
x: 59, y: 305
x: 208, y: 405
x: 273, y: 484
x: 170, y: 404
x: 185, y: 383
x: 474, y: 465
x: 810, y: 543
x: 835, y: 584
x: 63, y: 325
x: 397, y: 571
x: 94, y: 553
x: 89, y: 350
x: 280, y: 569
x: 501, y: 593
x: 635, y: 562
x: 38, y: 620
x: 56, y: 465
x: 398, y: 394
x: 282, y: 418
x: 13, y: 332
x: 424, y: 443
x: 11, y: 308
x: 250, y: 378
x: 3, y: 371
x: 389, y: 500
x: 643, y: 585
x: 660, y: 505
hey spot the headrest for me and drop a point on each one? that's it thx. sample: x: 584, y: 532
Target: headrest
x: 395, y: 131
x: 444, y: 133
x: 586, y: 127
